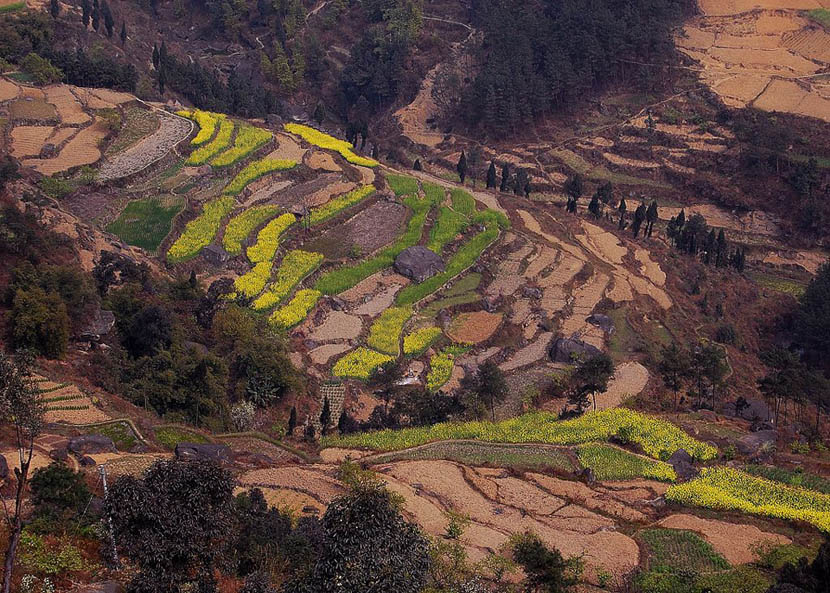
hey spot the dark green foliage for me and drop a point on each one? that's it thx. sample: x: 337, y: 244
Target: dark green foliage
x: 146, y: 332
x: 171, y: 523
x: 595, y: 206
x: 622, y: 208
x: 123, y: 34
x: 86, y: 10
x: 639, y: 219
x: 113, y: 267
x: 260, y: 532
x: 39, y: 321
x: 675, y: 367
x: 292, y: 420
x: 54, y: 8
x: 811, y: 322
x: 546, y: 571
x: 325, y: 416
x: 58, y: 492
x: 487, y: 386
x: 491, y: 176
x: 319, y: 113
x: 368, y: 546
x: 96, y: 15
x: 809, y: 577
x: 505, y: 177
x: 591, y: 377
x: 8, y: 171
x: 461, y: 166
x: 40, y: 69
x: 109, y: 21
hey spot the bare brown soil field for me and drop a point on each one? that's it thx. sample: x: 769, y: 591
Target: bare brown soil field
x: 337, y: 326
x: 28, y: 140
x: 474, y: 328
x: 367, y: 231
x: 8, y: 90
x: 90, y: 100
x: 81, y: 150
x: 629, y: 379
x: 322, y: 161
x: 323, y: 354
x: 68, y: 106
x: 287, y: 148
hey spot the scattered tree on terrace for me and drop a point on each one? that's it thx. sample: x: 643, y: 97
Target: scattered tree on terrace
x: 522, y: 181
x: 639, y: 219
x: 674, y: 367
x: 784, y: 381
x: 505, y: 177
x: 605, y: 193
x: 710, y: 367
x: 474, y: 157
x: 487, y: 386
x: 546, y: 571
x: 54, y: 8
x: 416, y: 166
x: 162, y: 77
x: 171, y: 523
x: 592, y: 376
x: 622, y: 209
x: 319, y: 113
x: 595, y: 206
x: 651, y: 218
x: 573, y: 189
x: 325, y: 416
x: 491, y: 176
x: 39, y: 321
x: 155, y: 56
x: 109, y: 21
x: 709, y: 247
x: 86, y: 11
x: 123, y: 34
x: 375, y: 152
x: 811, y: 323
x: 58, y: 493
x: 259, y: 532
x: 292, y: 420
x: 23, y: 410
x: 461, y: 166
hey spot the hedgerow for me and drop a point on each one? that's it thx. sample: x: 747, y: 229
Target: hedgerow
x: 223, y: 138
x: 200, y: 231
x: 725, y: 488
x: 296, y: 310
x: 345, y: 277
x: 385, y: 333
x: 252, y: 283
x: 248, y: 139
x: 334, y: 207
x: 416, y: 343
x: 440, y: 370
x: 360, y: 364
x: 254, y: 171
x: 295, y: 266
x: 447, y: 226
x: 658, y: 438
x: 241, y: 225
x: 268, y: 239
x: 322, y: 140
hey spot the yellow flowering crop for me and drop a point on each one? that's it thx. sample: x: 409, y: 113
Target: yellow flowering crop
x: 418, y: 341
x: 295, y: 266
x: 254, y: 171
x: 241, y: 225
x: 268, y: 239
x: 248, y: 139
x: 360, y: 363
x: 440, y: 370
x: 385, y: 333
x: 206, y: 121
x: 296, y: 310
x: 252, y: 283
x: 322, y: 140
x: 223, y: 138
x: 200, y: 231
x: 334, y: 207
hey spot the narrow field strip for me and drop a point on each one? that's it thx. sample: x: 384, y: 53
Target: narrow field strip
x: 327, y: 142
x: 296, y: 310
x: 248, y: 139
x: 253, y: 172
x: 222, y: 140
x: 295, y: 266
x: 199, y: 232
x: 243, y: 224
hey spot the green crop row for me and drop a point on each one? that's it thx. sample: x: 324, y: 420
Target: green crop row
x: 200, y: 231
x: 296, y: 310
x: 360, y: 364
x: 295, y: 266
x: 322, y: 140
x: 268, y: 239
x: 334, y: 207
x: 222, y: 140
x: 402, y: 185
x: 385, y: 333
x: 254, y: 171
x: 658, y: 438
x: 463, y: 202
x: 447, y: 226
x: 248, y: 139
x: 241, y: 225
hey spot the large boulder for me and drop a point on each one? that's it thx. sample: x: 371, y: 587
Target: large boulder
x: 683, y: 464
x: 418, y: 263
x: 91, y: 443
x: 567, y: 349
x: 203, y: 451
x: 603, y: 322
x: 757, y: 443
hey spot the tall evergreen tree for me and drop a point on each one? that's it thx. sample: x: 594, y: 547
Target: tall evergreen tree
x: 622, y: 209
x: 54, y: 8
x: 639, y: 219
x: 651, y: 217
x: 325, y: 416
x: 605, y: 193
x: 123, y: 34
x: 595, y: 207
x: 674, y: 367
x: 155, y: 56
x: 491, y: 176
x: 86, y: 11
x: 505, y: 177
x: 96, y: 15
x: 721, y: 250
x: 461, y: 167
x: 162, y: 78
x: 319, y: 113
x: 292, y: 420
x: 109, y: 21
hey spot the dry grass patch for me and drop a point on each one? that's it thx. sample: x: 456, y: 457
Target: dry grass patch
x: 32, y: 109
x: 8, y: 90
x: 81, y: 150
x: 68, y: 106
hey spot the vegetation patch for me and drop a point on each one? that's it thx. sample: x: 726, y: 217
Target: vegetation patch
x: 820, y: 15
x: 725, y: 488
x: 360, y: 364
x: 242, y: 225
x: 145, y: 223
x: 792, y: 477
x: 248, y: 139
x: 327, y: 142
x: 402, y: 185
x: 296, y: 310
x: 446, y: 228
x: 253, y: 282
x: 206, y: 121
x: 440, y: 370
x: 253, y: 172
x: 611, y: 463
x: 200, y: 231
x: 170, y: 436
x: 223, y: 138
x: 416, y: 343
x: 385, y: 333
x: 268, y: 239
x: 337, y: 205
x: 678, y: 551
x: 120, y: 433
x: 778, y: 283
x: 463, y: 202
x: 295, y: 266
x: 658, y: 438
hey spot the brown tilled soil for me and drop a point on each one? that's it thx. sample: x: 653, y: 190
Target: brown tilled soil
x: 474, y: 328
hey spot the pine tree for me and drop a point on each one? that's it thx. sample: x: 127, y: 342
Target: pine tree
x: 54, y: 8
x: 621, y: 209
x: 162, y: 79
x: 123, y: 34
x: 491, y: 176
x: 528, y: 187
x: 319, y: 113
x: 109, y: 22
x: 461, y: 167
x: 86, y: 10
x: 639, y: 219
x: 325, y: 415
x: 417, y: 165
x: 505, y: 177
x: 155, y: 56
x: 163, y: 54
x: 96, y: 15
x: 651, y: 217
x: 720, y: 250
x: 573, y: 186
x: 709, y: 247
x: 595, y: 207
x: 292, y: 420
x: 375, y: 152
x: 605, y: 193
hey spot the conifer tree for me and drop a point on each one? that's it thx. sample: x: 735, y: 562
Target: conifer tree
x: 505, y: 177
x: 621, y: 209
x: 325, y: 415
x: 155, y: 56
x: 319, y: 113
x: 417, y: 165
x: 651, y: 217
x: 86, y: 11
x: 96, y: 15
x: 491, y: 176
x: 54, y: 8
x: 123, y: 34
x: 461, y: 167
x: 720, y: 250
x: 292, y: 420
x: 639, y: 219
x: 109, y: 22
x: 595, y: 207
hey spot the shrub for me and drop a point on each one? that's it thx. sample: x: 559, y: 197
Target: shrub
x: 360, y: 364
x: 322, y: 140
x: 53, y: 558
x: 440, y: 370
x: 200, y: 231
x: 296, y: 310
x: 252, y: 283
x: 241, y: 225
x: 610, y: 463
x: 248, y: 139
x: 337, y: 205
x: 242, y: 415
x: 40, y: 321
x: 385, y: 333
x: 254, y: 171
x: 295, y: 266
x: 416, y: 343
x: 40, y: 69
x: 268, y: 239
x: 730, y: 489
x: 657, y: 437
x: 223, y: 138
